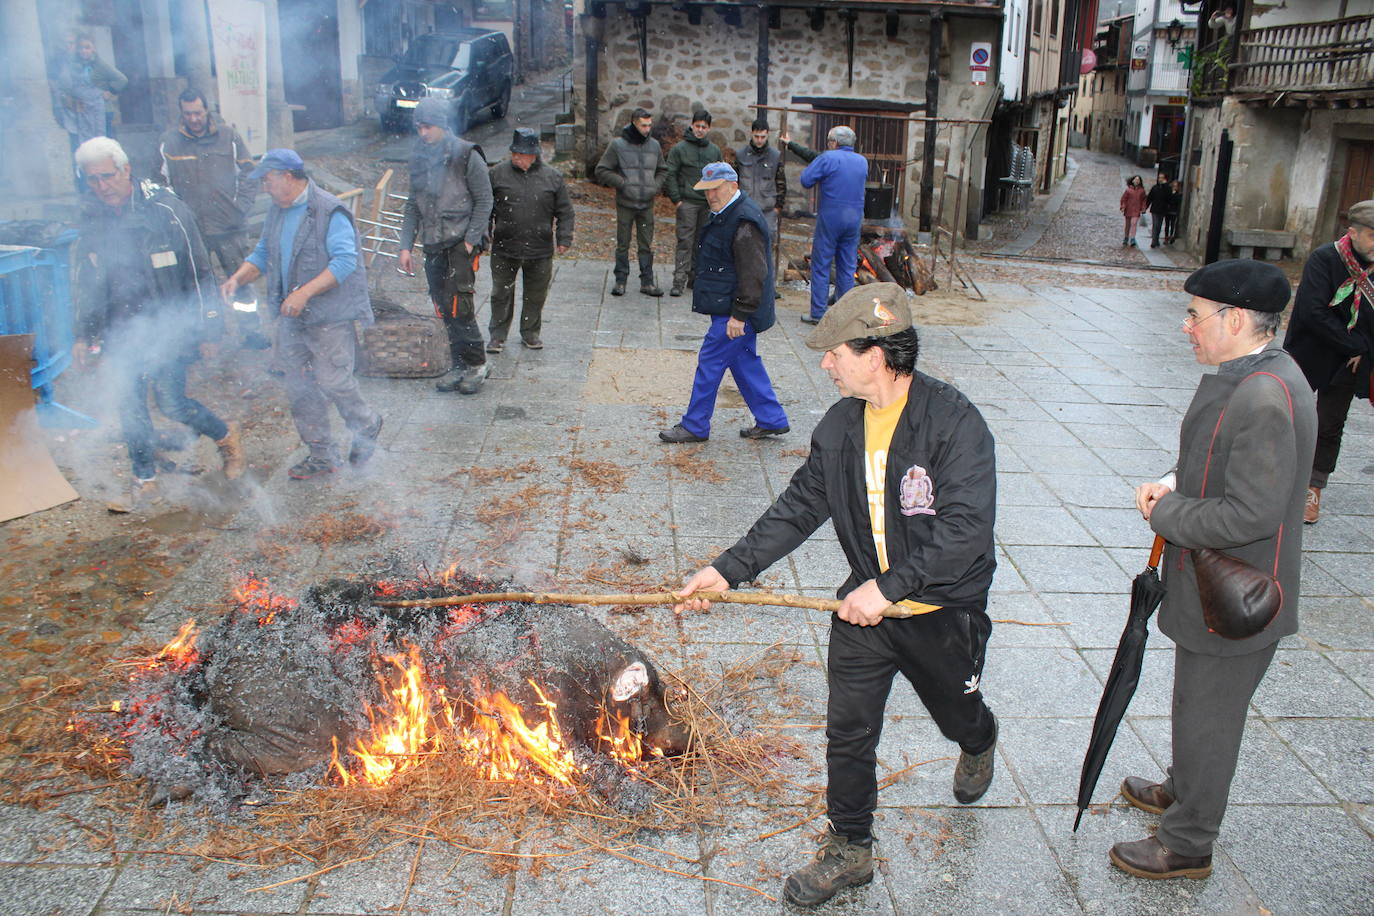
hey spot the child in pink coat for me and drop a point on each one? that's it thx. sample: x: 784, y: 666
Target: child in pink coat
x: 1132, y: 205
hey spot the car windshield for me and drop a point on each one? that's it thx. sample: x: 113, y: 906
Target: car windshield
x: 437, y: 51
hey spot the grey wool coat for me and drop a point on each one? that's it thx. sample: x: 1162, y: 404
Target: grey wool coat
x: 1245, y: 453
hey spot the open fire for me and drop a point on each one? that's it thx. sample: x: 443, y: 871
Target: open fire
x: 330, y: 688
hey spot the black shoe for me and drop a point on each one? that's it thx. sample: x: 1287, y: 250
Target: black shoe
x: 255, y: 341
x: 807, y: 319
x: 679, y: 435
x: 364, y: 444
x: 496, y: 345
x: 619, y: 288
x: 1133, y: 244
x: 650, y: 289
x: 973, y: 773
x: 312, y: 467
x: 450, y: 379
x: 1154, y: 244
x: 676, y: 290
x: 839, y: 863
x: 758, y: 432
x: 532, y: 343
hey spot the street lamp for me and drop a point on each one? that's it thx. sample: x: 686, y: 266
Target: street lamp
x: 1174, y: 33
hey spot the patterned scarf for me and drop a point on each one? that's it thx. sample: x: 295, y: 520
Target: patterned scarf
x: 1358, y: 287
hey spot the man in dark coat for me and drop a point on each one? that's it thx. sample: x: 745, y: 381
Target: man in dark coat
x: 686, y: 159
x: 448, y: 212
x: 1158, y: 200
x: 1239, y: 487
x: 532, y: 217
x: 1332, y: 338
x: 207, y: 164
x: 633, y: 165
x: 904, y: 469
x: 734, y: 285
x: 146, y: 302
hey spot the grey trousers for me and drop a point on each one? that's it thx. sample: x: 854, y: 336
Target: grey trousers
x: 1211, y: 697
x: 691, y: 217
x: 641, y: 222
x: 317, y: 366
x: 538, y: 272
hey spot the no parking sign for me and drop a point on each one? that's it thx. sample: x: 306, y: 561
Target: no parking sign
x: 979, y: 60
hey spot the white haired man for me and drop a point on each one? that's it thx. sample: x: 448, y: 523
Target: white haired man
x: 840, y: 174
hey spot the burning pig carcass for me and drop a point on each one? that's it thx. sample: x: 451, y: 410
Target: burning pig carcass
x: 335, y: 686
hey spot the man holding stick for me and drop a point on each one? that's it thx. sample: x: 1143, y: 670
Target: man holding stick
x: 921, y: 536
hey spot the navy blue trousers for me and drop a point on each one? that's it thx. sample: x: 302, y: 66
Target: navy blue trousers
x: 740, y: 355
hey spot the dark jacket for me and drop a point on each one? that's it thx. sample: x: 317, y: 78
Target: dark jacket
x: 144, y: 259
x: 633, y: 165
x: 734, y: 272
x: 762, y: 176
x: 1159, y: 198
x: 685, y: 161
x: 1249, y: 435
x: 210, y: 173
x: 310, y: 257
x: 1317, y: 334
x: 945, y: 557
x: 802, y: 152
x: 450, y: 195
x: 526, y: 206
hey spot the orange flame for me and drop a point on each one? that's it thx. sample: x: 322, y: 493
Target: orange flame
x: 404, y: 737
x: 623, y: 743
x: 507, y: 746
x: 255, y: 596
x: 181, y: 652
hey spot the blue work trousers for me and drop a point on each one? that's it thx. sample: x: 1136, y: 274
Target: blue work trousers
x: 837, y: 241
x: 720, y: 352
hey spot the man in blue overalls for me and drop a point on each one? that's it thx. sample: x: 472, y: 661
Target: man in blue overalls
x: 733, y: 284
x: 841, y: 174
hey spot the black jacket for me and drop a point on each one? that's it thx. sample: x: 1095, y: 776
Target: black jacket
x: 1317, y: 335
x: 1160, y: 198
x: 526, y: 206
x: 943, y: 557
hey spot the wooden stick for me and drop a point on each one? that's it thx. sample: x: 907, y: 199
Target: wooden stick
x: 728, y: 597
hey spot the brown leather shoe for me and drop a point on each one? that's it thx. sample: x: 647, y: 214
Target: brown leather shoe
x: 1148, y: 858
x: 231, y: 452
x: 1146, y: 795
x: 1313, y: 509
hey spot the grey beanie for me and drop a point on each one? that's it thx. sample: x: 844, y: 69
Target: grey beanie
x: 432, y: 111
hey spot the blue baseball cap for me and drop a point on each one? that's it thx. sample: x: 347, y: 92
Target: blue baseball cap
x: 714, y: 174
x: 282, y: 160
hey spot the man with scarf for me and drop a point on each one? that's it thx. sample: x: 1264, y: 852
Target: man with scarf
x: 685, y: 161
x: 448, y: 211
x: 1331, y: 336
x: 633, y: 165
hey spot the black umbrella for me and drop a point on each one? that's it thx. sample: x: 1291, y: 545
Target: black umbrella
x: 1146, y: 594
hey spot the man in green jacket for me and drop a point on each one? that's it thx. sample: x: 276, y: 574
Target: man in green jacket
x: 685, y: 161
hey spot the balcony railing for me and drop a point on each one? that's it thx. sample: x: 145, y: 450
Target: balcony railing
x: 1306, y: 57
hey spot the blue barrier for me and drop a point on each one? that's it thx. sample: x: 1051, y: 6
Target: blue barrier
x: 35, y: 298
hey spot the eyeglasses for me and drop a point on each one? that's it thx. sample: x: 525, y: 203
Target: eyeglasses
x: 1190, y: 322
x: 95, y: 179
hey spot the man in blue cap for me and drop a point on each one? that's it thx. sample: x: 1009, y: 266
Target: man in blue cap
x: 316, y: 288
x: 733, y: 283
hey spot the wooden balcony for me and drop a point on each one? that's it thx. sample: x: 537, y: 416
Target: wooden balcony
x: 1302, y: 62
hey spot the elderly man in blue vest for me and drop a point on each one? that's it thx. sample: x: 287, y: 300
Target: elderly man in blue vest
x: 841, y: 174
x: 316, y: 289
x: 733, y: 284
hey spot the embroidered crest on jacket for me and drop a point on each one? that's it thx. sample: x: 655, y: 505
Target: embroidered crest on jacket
x: 918, y: 492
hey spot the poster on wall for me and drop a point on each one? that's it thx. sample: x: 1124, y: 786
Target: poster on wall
x: 238, y: 30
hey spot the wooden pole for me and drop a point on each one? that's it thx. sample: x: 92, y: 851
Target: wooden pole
x: 728, y: 597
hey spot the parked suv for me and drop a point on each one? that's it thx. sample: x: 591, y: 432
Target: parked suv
x: 470, y: 68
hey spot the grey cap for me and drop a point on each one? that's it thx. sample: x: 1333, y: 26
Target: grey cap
x: 432, y: 111
x: 525, y: 140
x: 871, y: 310
x: 1361, y: 214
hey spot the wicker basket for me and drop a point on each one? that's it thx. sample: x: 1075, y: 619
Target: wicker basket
x: 404, y: 345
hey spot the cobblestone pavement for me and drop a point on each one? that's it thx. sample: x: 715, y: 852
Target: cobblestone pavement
x: 1084, y: 388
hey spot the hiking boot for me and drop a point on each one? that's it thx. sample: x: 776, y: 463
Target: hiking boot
x: 650, y: 289
x: 680, y: 435
x: 1313, y: 509
x: 973, y: 773
x: 231, y: 453
x: 758, y: 432
x: 450, y: 380
x: 676, y: 290
x: 496, y: 345
x: 1145, y: 795
x: 1149, y: 858
x: 141, y: 496
x: 473, y: 377
x: 312, y: 467
x: 619, y: 288
x: 839, y: 863
x: 364, y: 444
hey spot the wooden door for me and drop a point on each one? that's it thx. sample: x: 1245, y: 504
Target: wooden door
x: 1358, y: 184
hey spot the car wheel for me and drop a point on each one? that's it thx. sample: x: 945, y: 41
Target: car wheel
x: 502, y: 107
x: 389, y: 124
x: 461, y: 118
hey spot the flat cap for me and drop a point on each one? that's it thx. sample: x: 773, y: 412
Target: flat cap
x: 872, y: 310
x: 1362, y: 214
x: 1256, y: 285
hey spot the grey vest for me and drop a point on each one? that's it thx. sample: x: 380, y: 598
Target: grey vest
x: 442, y: 208
x: 758, y: 174
x: 345, y: 302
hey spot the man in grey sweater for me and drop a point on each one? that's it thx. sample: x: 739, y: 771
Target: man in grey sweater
x: 448, y: 211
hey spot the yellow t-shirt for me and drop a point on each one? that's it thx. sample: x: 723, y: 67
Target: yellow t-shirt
x: 879, y: 425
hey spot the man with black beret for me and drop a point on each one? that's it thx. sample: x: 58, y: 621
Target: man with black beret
x: 1332, y: 337
x: 1239, y: 487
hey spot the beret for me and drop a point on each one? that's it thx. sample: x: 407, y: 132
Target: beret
x: 871, y: 310
x: 1256, y: 285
